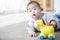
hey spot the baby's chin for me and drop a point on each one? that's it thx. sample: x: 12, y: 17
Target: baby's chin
x: 34, y: 17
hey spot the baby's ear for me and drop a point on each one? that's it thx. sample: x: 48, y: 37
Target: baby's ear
x: 41, y: 9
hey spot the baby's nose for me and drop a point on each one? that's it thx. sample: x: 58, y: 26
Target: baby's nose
x: 33, y: 11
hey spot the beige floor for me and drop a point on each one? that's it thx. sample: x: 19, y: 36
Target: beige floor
x: 13, y: 27
x: 9, y: 19
x: 18, y: 32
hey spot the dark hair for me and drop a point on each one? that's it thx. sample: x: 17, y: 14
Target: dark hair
x: 35, y: 3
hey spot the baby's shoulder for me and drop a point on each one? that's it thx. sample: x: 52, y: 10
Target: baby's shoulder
x: 31, y: 21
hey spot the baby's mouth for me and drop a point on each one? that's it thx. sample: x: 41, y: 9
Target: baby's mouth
x: 34, y: 14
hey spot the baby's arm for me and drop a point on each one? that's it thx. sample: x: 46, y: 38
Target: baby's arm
x: 30, y: 29
x: 50, y: 19
x: 54, y: 23
x: 31, y: 33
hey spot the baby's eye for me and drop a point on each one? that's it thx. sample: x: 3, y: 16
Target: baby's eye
x: 34, y: 9
x: 30, y: 10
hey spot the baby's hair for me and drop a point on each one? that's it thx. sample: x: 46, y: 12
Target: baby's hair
x: 35, y: 3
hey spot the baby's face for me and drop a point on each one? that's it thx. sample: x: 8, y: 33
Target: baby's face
x: 34, y: 10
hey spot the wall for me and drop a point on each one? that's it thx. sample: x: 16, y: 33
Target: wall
x: 20, y: 5
x: 57, y: 5
x: 11, y: 5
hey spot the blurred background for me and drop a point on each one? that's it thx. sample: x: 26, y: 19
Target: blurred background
x: 14, y: 17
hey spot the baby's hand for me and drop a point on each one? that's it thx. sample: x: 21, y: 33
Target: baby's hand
x: 32, y: 34
x: 54, y: 23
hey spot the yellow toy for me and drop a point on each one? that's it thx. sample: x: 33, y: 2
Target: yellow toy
x: 46, y: 30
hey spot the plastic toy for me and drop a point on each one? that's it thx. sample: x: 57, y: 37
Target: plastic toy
x: 46, y: 30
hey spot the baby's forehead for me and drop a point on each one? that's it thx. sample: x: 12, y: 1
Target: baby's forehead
x: 32, y: 6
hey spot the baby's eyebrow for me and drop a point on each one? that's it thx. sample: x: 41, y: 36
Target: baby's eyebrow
x: 32, y: 8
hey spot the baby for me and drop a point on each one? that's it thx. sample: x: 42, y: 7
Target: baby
x: 35, y: 11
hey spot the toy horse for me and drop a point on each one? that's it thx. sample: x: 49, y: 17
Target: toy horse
x: 46, y: 30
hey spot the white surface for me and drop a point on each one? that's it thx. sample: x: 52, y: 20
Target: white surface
x: 13, y: 19
x: 57, y: 5
x: 11, y: 5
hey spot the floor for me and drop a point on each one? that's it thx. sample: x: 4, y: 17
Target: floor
x: 18, y: 32
x: 13, y: 27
